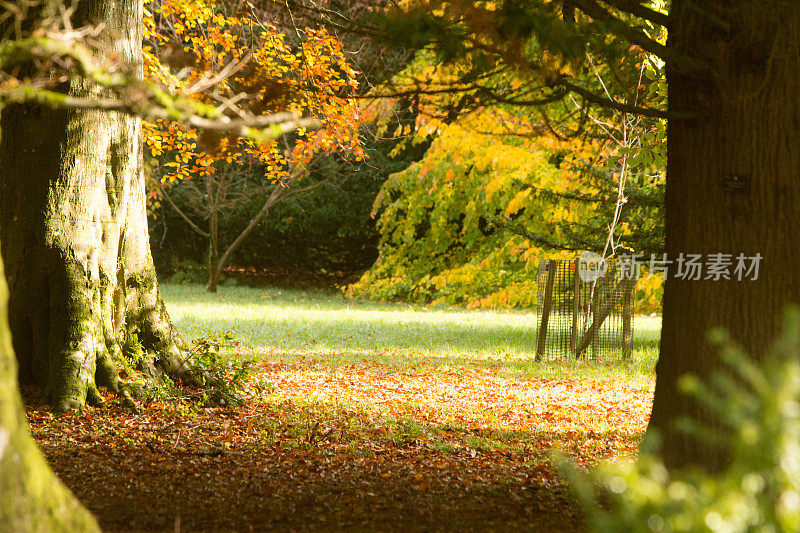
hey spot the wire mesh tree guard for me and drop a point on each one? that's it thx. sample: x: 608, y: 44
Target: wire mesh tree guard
x: 575, y: 314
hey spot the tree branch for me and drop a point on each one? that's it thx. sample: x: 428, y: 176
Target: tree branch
x: 637, y: 37
x: 638, y: 10
x: 133, y: 95
x: 613, y: 104
x: 192, y: 225
x: 277, y: 193
x: 261, y: 127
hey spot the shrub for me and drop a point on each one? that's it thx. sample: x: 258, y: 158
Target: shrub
x: 760, y: 488
x: 469, y: 222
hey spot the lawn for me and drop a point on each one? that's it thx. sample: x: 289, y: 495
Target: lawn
x: 360, y: 416
x: 331, y: 331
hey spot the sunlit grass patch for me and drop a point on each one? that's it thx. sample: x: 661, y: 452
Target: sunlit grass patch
x: 324, y: 330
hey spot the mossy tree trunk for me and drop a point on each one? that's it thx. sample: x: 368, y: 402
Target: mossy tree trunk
x: 31, y: 496
x: 733, y: 186
x: 84, y: 300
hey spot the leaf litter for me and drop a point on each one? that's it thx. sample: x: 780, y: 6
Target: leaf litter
x: 333, y: 449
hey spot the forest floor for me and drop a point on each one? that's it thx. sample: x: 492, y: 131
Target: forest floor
x: 358, y: 416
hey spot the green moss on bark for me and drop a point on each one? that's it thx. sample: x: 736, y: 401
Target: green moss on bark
x: 74, y: 227
x: 32, y: 499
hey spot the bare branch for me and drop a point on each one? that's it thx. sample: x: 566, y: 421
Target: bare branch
x: 277, y: 193
x: 230, y: 69
x: 188, y: 220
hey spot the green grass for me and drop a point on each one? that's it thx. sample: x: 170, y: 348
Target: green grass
x: 329, y: 331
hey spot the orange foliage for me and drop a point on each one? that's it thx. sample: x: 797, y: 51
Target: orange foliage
x: 224, y: 59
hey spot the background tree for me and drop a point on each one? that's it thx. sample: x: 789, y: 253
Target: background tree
x: 731, y: 169
x: 438, y: 243
x: 251, y: 63
x: 307, y: 222
x: 320, y: 232
x: 84, y: 300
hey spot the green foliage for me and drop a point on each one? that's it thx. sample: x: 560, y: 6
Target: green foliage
x: 452, y: 29
x: 221, y: 378
x: 224, y: 377
x: 326, y: 231
x: 132, y: 347
x: 438, y: 241
x: 188, y: 271
x: 760, y: 488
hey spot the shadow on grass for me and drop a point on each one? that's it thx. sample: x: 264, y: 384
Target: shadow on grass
x: 505, y: 368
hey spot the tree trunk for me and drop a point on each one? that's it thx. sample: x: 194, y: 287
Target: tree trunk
x: 31, y: 496
x: 217, y: 264
x: 213, y: 260
x: 84, y: 300
x: 733, y: 186
x: 213, y: 231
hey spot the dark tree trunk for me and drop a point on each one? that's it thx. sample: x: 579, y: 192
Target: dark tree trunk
x: 217, y: 263
x: 73, y: 227
x: 213, y: 231
x: 31, y: 496
x: 733, y: 186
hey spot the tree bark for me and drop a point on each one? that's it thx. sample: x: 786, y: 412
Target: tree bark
x: 213, y: 241
x: 733, y: 186
x: 84, y: 301
x: 31, y: 496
